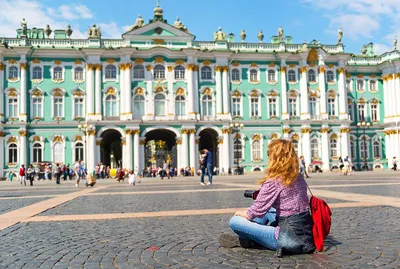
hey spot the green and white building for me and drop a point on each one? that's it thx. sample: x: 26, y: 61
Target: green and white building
x: 157, y: 95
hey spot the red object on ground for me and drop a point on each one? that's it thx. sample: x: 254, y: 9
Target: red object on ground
x: 153, y: 248
x: 321, y: 215
x: 317, y: 162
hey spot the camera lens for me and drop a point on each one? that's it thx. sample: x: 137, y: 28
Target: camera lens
x: 248, y: 194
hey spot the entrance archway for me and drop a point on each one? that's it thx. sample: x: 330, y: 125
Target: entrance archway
x: 160, y: 148
x: 111, y: 148
x: 209, y: 141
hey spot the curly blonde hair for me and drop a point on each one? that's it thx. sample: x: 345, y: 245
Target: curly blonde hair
x: 282, y: 162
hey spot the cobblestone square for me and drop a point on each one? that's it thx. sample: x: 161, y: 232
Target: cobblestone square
x: 176, y: 224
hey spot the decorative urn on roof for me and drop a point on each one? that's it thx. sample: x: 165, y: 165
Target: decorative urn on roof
x: 260, y: 36
x: 243, y: 35
x: 48, y: 31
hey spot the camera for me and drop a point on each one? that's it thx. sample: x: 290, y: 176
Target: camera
x: 251, y: 194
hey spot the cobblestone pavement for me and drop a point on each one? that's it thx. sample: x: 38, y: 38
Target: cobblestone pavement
x: 362, y: 236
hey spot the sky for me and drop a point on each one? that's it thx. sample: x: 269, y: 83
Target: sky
x: 362, y: 21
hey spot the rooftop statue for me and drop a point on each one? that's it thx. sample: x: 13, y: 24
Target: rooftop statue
x: 364, y: 50
x: 304, y: 47
x: 24, y: 27
x: 69, y: 31
x: 260, y: 36
x: 48, y: 31
x: 219, y: 36
x: 395, y: 43
x: 139, y: 23
x: 243, y: 35
x: 340, y: 35
x: 280, y: 34
x: 94, y: 32
x: 178, y: 24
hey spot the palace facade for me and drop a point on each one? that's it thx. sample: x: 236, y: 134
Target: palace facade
x: 157, y: 96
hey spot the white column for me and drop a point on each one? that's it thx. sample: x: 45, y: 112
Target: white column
x: 322, y: 92
x: 196, y: 89
x: 90, y: 91
x: 122, y: 92
x: 2, y: 110
x: 128, y: 151
x: 128, y: 91
x: 304, y: 94
x: 325, y: 148
x: 149, y: 109
x: 142, y: 164
x: 345, y: 142
x: 305, y: 143
x: 171, y: 99
x: 184, y: 149
x: 218, y: 89
x: 179, y: 164
x: 2, y: 163
x: 342, y: 95
x: 136, y: 151
x: 396, y: 146
x: 392, y: 96
x: 386, y: 99
x: 221, y: 155
x: 231, y: 152
x: 226, y: 156
x: 98, y: 157
x: 190, y: 96
x: 192, y: 152
x: 98, y: 92
x: 196, y: 150
x: 91, y: 159
x: 22, y: 148
x: 285, y: 114
x: 388, y: 148
x: 23, y: 102
x: 225, y: 90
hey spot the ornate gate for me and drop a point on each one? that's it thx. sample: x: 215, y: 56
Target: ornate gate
x: 157, y: 154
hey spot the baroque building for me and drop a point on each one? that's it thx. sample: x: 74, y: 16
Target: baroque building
x: 157, y: 95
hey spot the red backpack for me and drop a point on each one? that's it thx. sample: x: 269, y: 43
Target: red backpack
x: 321, y: 215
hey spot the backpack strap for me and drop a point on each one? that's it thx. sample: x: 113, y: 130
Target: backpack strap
x: 308, y: 188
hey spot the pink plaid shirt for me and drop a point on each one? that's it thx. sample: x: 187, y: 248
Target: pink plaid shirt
x: 286, y: 200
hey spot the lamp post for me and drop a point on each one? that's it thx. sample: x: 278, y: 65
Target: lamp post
x: 364, y: 125
x: 235, y: 129
x: 85, y: 128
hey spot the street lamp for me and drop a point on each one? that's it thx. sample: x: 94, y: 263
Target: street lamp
x: 235, y: 129
x: 85, y: 128
x: 364, y: 125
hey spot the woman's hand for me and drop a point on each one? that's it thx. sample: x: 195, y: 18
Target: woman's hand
x: 242, y: 214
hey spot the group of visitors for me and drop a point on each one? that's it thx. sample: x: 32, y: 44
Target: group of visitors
x: 345, y: 166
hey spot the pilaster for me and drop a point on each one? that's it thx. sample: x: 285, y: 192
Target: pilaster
x: 225, y: 90
x: 2, y: 146
x: 190, y: 94
x: 193, y: 153
x: 142, y: 164
x: 184, y: 148
x: 285, y: 114
x: 2, y: 110
x: 222, y: 170
x: 122, y: 92
x: 128, y: 91
x: 23, y: 116
x: 179, y: 163
x: 305, y: 114
x: 90, y: 113
x: 325, y: 147
x: 149, y: 107
x: 218, y: 90
x: 345, y: 140
x: 322, y: 92
x: 22, y: 147
x: 342, y: 94
x: 305, y: 143
x: 170, y: 86
x: 226, y: 157
x: 136, y: 151
x: 286, y: 131
x: 98, y: 113
x: 91, y: 158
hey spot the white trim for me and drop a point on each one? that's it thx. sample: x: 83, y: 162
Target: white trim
x: 337, y: 146
x: 375, y: 138
x: 257, y: 69
x: 315, y: 136
x: 261, y: 146
x: 364, y: 86
x: 172, y: 129
x: 369, y: 85
x: 295, y: 73
x: 41, y: 96
x: 32, y: 66
x: 32, y: 142
x: 367, y: 143
x: 163, y: 64
x: 173, y: 73
x: 116, y: 79
x: 297, y: 102
x: 236, y: 82
x: 211, y: 66
x: 204, y: 127
x: 133, y: 72
x: 350, y: 89
x: 275, y: 69
x: 9, y: 65
x: 52, y: 102
x: 7, y: 144
x: 378, y: 116
x: 18, y: 93
x: 74, y: 97
x: 53, y: 66
x: 240, y: 102
x: 110, y: 127
x: 73, y: 147
x: 74, y: 66
x: 315, y: 69
x: 333, y: 69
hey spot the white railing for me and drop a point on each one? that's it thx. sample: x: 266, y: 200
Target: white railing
x: 204, y: 45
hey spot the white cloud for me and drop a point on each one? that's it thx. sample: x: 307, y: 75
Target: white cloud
x: 111, y: 30
x: 75, y: 12
x: 381, y: 48
x: 355, y: 25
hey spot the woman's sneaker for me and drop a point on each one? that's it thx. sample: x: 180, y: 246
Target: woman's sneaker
x: 232, y: 241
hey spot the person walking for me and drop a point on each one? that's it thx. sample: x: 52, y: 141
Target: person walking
x: 132, y: 178
x: 346, y: 165
x: 22, y: 174
x: 30, y: 173
x: 78, y: 172
x: 209, y: 163
x: 303, y: 165
x: 341, y: 165
x: 203, y: 166
x: 58, y: 173
x: 394, y: 164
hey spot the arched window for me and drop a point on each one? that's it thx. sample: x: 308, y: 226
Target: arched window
x: 37, y: 72
x: 372, y: 85
x: 236, y: 106
x: 37, y: 153
x: 291, y: 76
x: 333, y: 147
x: 206, y: 73
x: 377, y: 149
x: 13, y: 153
x: 138, y: 72
x: 255, y: 105
x: 57, y: 73
x: 314, y: 148
x: 329, y: 76
x: 364, y: 149
x: 37, y: 106
x: 237, y: 153
x: 256, y: 150
x: 180, y: 105
x: 253, y: 75
x: 13, y: 72
x: 235, y: 75
x: 159, y: 105
x: 360, y: 85
x: 292, y: 106
x: 78, y: 74
x: 58, y: 153
x: 138, y: 105
x: 313, y: 106
x: 111, y: 106
x: 79, y: 151
x: 179, y: 72
x: 331, y: 106
x: 207, y: 105
x: 311, y: 75
x: 159, y: 72
x: 111, y: 72
x: 271, y: 76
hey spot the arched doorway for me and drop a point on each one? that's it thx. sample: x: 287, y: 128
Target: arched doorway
x: 111, y: 148
x: 209, y: 141
x: 160, y: 148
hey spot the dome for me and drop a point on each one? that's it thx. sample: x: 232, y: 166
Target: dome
x: 158, y: 11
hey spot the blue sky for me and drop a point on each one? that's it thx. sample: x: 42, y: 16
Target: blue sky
x: 363, y: 21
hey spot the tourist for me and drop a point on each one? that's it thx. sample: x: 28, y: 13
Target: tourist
x: 11, y: 175
x: 203, y: 166
x: 341, y: 165
x: 108, y: 170
x: 79, y: 171
x: 132, y: 178
x: 394, y: 164
x: 346, y: 164
x: 97, y: 171
x: 209, y: 165
x: 47, y: 172
x: 22, y: 173
x: 281, y: 209
x: 57, y: 173
x: 30, y: 174
x: 64, y: 172
x: 120, y: 175
x: 102, y: 171
x: 303, y: 166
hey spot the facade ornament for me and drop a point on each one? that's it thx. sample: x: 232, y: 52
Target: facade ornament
x: 364, y: 50
x: 286, y: 130
x: 69, y: 31
x: 220, y: 35
x: 325, y: 130
x: 23, y: 133
x: 304, y: 47
x: 139, y: 23
x: 243, y: 35
x: 280, y: 34
x: 94, y: 32
x: 340, y: 35
x: 2, y: 42
x: 24, y: 27
x: 48, y: 31
x: 179, y: 25
x: 260, y: 36
x: 395, y: 43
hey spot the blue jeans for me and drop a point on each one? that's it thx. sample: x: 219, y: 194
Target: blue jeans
x: 210, y: 171
x: 203, y: 171
x: 257, y: 230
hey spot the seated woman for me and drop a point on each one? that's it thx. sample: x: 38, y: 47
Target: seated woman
x: 282, y: 201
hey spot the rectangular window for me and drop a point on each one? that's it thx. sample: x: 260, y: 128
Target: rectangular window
x: 236, y: 107
x: 58, y: 109
x: 313, y: 108
x: 372, y: 85
x: 363, y: 150
x: 78, y: 106
x: 272, y: 107
x: 37, y: 155
x: 256, y: 150
x: 331, y: 107
x: 13, y: 154
x: 254, y: 107
x: 13, y: 107
x: 37, y: 107
x: 374, y: 112
x: 350, y: 109
x: 361, y: 112
x: 292, y: 107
